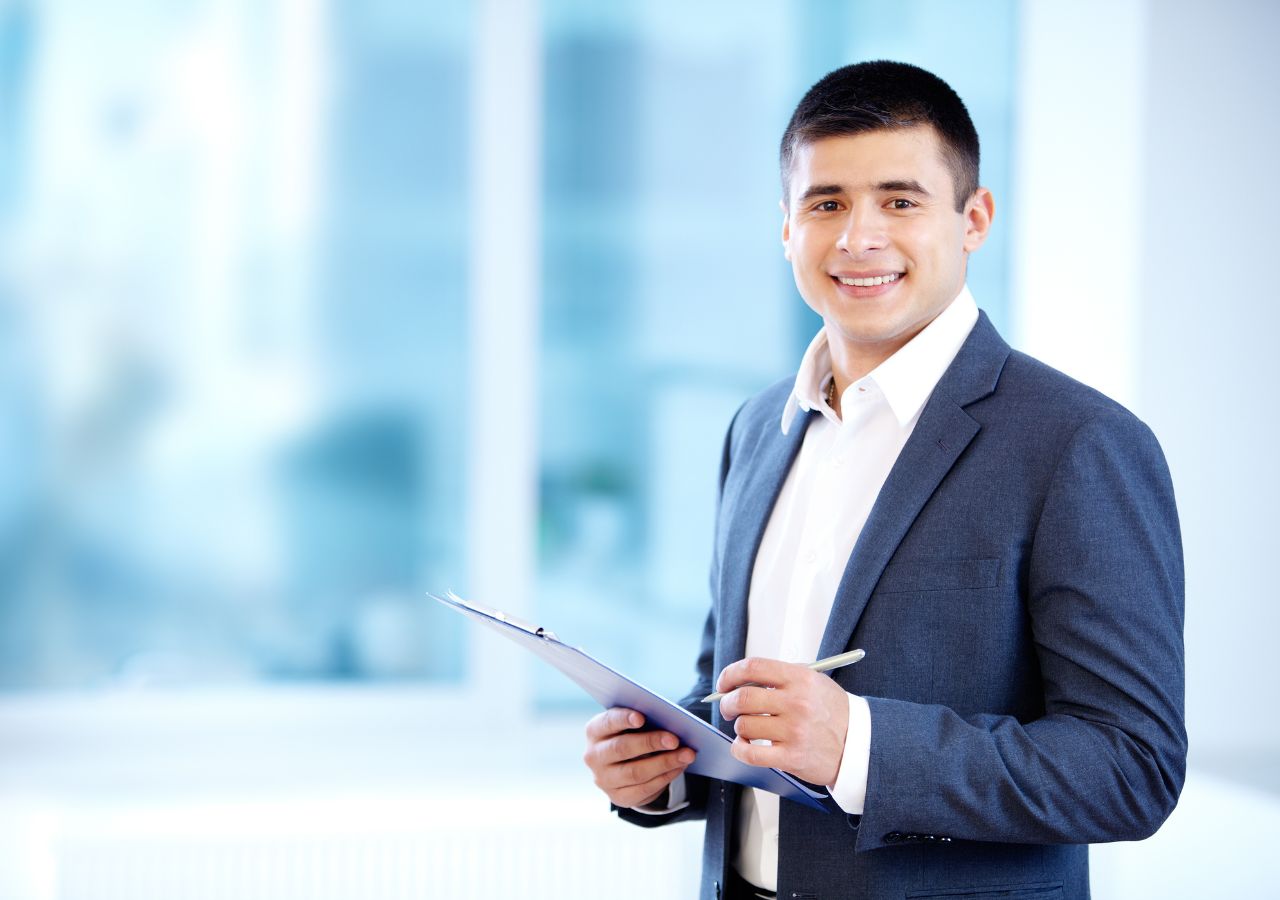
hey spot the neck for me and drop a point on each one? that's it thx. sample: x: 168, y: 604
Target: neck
x: 849, y: 363
x: 833, y: 397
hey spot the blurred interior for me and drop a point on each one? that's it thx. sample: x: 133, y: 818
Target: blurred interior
x: 308, y: 308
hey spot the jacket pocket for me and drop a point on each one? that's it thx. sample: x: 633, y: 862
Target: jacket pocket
x: 1046, y: 890
x: 939, y: 575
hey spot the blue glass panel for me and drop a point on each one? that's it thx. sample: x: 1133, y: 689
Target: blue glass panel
x: 227, y: 448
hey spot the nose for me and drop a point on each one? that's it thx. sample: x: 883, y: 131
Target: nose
x: 863, y: 231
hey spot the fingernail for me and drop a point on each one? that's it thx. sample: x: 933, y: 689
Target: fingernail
x: 685, y: 756
x: 634, y: 720
x: 669, y: 741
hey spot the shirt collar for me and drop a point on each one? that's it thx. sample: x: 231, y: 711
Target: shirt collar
x: 906, y: 379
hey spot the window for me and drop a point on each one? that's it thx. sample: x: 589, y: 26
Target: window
x: 239, y: 242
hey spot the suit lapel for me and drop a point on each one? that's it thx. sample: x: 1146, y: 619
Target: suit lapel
x: 940, y: 436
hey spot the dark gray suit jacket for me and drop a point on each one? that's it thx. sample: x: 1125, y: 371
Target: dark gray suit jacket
x: 1018, y: 588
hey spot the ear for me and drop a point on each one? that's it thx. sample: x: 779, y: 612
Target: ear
x: 786, y: 230
x: 978, y: 213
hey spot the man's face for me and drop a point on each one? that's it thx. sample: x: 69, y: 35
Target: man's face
x: 874, y: 239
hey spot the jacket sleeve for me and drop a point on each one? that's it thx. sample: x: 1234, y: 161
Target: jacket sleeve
x: 1104, y: 594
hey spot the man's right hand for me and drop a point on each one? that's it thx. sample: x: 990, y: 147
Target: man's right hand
x: 632, y: 767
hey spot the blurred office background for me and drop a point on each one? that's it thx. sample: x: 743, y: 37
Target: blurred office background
x: 310, y: 307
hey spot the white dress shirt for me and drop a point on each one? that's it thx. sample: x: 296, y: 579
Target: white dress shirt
x: 812, y: 530
x: 819, y: 514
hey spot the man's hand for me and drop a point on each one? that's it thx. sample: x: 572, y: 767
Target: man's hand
x: 632, y: 767
x: 804, y: 713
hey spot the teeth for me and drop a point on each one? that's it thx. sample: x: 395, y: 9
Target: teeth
x: 870, y: 282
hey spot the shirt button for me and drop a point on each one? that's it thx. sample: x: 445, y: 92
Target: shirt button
x: 811, y: 556
x: 838, y: 462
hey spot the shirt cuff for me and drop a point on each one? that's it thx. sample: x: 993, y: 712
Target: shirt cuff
x: 850, y: 789
x: 677, y: 798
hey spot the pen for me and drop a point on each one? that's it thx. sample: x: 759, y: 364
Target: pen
x: 822, y: 665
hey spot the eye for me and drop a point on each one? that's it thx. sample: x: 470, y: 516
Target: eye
x: 901, y: 203
x: 827, y: 206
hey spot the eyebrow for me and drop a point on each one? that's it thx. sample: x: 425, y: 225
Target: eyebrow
x: 821, y: 190
x: 906, y: 185
x: 909, y: 185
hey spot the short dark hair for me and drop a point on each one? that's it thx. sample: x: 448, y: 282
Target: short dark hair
x: 871, y: 96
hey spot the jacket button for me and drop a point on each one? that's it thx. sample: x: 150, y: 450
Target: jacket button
x: 854, y: 821
x: 893, y: 837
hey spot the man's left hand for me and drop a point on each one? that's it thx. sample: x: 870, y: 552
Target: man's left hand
x: 804, y: 713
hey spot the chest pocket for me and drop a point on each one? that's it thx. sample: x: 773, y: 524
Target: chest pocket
x: 921, y: 575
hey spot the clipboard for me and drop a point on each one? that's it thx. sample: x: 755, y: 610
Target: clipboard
x: 610, y: 688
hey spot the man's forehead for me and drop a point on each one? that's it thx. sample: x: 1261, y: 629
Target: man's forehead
x: 871, y: 161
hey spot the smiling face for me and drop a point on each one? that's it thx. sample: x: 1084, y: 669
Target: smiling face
x: 875, y: 241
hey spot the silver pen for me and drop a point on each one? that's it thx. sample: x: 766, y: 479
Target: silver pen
x: 822, y: 665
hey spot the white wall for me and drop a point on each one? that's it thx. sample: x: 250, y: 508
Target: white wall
x: 1076, y: 214
x: 1146, y: 218
x: 1147, y: 221
x: 1209, y: 364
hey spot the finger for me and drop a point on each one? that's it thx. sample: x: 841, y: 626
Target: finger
x: 612, y: 721
x: 634, y: 744
x: 620, y: 748
x: 756, y: 670
x: 632, y: 772
x: 768, y: 728
x: 644, y: 794
x: 757, y: 754
x: 750, y: 700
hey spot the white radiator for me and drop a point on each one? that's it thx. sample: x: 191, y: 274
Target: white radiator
x: 554, y: 839
x: 541, y: 843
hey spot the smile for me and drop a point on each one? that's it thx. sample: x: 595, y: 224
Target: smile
x: 870, y: 282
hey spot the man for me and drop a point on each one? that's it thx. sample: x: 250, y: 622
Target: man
x: 1001, y: 540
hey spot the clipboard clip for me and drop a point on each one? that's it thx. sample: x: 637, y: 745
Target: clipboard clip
x: 499, y: 615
